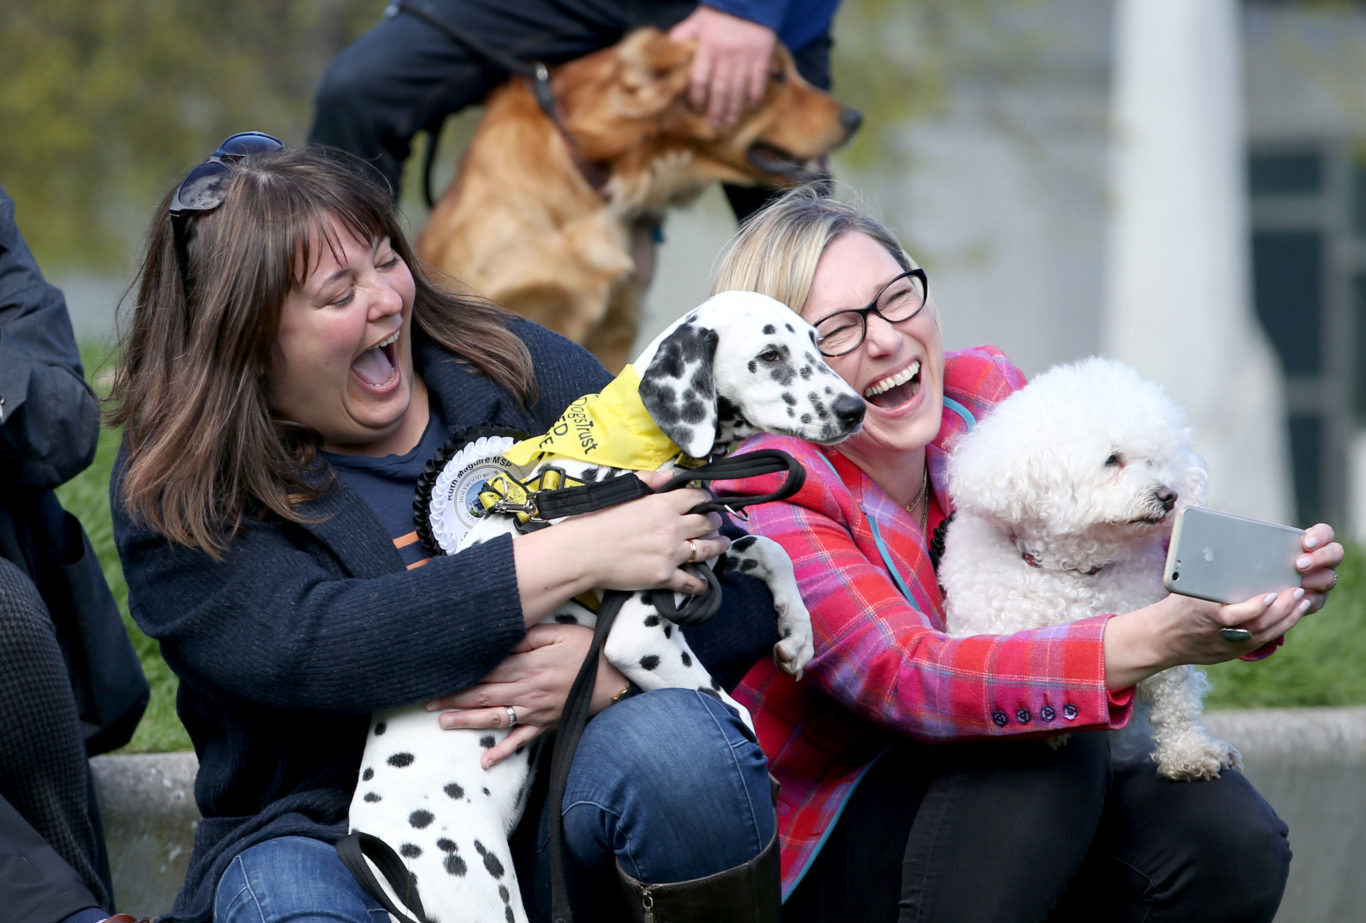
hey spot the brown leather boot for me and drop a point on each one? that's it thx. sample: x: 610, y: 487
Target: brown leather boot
x: 749, y: 893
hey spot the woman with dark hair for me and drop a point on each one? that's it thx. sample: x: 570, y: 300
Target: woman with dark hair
x: 288, y: 373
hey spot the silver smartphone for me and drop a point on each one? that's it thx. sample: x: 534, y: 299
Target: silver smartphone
x: 1228, y: 559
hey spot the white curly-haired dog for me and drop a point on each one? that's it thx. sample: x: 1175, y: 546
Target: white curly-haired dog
x: 1065, y: 496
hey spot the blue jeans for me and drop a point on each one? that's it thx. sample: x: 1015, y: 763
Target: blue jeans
x: 668, y: 783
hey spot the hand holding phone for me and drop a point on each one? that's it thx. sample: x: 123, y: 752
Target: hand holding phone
x: 1227, y: 559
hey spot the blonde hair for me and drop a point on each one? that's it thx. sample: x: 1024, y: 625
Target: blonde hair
x: 202, y: 449
x: 776, y: 251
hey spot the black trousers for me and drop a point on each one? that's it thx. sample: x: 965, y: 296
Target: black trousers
x: 405, y: 75
x: 1019, y: 831
x: 52, y: 853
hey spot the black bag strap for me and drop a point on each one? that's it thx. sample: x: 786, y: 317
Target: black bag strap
x: 355, y: 848
x: 575, y: 714
x: 572, y: 722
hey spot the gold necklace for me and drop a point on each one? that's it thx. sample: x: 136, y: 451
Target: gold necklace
x: 922, y: 494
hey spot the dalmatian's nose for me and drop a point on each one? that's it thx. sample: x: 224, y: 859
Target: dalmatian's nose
x: 849, y: 411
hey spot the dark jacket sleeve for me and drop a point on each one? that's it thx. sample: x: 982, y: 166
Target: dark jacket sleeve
x: 49, y: 422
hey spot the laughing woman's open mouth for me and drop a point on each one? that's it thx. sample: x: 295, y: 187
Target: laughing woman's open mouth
x: 377, y: 367
x: 895, y: 390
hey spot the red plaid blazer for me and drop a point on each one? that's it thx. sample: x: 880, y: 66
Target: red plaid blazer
x: 883, y: 666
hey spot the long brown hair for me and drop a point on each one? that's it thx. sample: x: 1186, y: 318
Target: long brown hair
x: 203, y: 450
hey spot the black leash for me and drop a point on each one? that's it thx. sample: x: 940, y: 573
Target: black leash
x: 355, y: 848
x: 575, y: 714
x: 536, y: 72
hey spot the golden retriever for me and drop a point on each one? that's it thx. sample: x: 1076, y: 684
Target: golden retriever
x: 555, y: 218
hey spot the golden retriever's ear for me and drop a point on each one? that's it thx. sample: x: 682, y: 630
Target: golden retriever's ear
x: 653, y: 71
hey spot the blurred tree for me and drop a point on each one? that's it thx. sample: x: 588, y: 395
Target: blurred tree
x: 103, y: 103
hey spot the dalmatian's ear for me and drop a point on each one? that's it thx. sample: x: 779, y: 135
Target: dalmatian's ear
x: 678, y: 388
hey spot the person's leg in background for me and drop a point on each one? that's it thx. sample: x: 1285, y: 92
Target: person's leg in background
x: 49, y: 823
x: 406, y: 75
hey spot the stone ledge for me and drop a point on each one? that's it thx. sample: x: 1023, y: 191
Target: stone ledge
x: 1310, y: 763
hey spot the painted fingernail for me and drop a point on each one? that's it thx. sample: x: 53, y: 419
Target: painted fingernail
x: 1268, y: 599
x: 1302, y: 563
x: 1311, y: 541
x: 1304, y: 607
x: 1299, y: 592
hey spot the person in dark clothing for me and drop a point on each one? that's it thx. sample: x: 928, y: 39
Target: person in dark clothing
x: 283, y: 338
x: 71, y: 685
x: 406, y: 74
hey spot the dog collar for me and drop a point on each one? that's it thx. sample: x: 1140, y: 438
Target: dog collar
x: 1033, y: 560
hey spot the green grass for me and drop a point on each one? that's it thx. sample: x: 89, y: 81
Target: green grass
x: 87, y: 497
x: 1321, y: 663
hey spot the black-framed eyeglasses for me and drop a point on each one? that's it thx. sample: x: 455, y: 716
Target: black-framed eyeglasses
x: 203, y: 189
x: 898, y: 301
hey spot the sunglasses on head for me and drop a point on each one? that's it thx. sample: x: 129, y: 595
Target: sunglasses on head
x: 202, y: 189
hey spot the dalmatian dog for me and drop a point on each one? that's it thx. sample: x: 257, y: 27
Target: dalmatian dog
x: 740, y: 363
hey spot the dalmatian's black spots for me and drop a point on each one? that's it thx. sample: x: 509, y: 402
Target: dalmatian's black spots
x: 783, y: 373
x: 692, y: 373
x: 805, y: 418
x: 373, y: 797
x: 491, y: 863
x: 380, y: 728
x: 410, y: 850
x: 400, y: 760
x: 367, y: 775
x: 566, y: 618
x: 420, y: 819
x: 743, y: 543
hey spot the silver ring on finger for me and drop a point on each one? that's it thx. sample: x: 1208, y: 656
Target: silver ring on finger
x: 1334, y: 580
x: 512, y: 716
x: 692, y: 552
